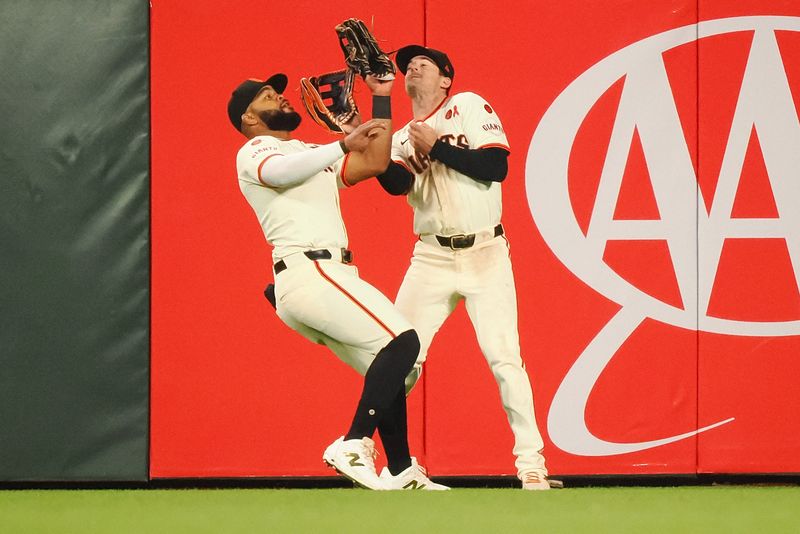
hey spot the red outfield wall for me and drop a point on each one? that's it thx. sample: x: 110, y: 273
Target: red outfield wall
x: 652, y: 205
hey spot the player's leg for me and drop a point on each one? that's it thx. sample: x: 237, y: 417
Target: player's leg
x: 351, y: 313
x: 393, y: 430
x: 388, y: 368
x: 393, y: 426
x: 383, y: 382
x: 427, y: 297
x: 491, y: 302
x: 402, y: 472
x: 358, y: 359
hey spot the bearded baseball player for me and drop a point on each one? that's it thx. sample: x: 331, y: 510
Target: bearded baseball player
x: 293, y: 190
x: 450, y: 161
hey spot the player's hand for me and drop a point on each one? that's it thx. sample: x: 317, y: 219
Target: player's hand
x: 359, y: 139
x: 379, y: 87
x: 422, y: 137
x: 352, y: 124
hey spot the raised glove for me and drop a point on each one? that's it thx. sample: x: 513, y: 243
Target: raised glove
x: 328, y: 98
x: 361, y: 51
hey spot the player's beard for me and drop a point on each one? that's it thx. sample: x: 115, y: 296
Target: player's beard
x: 281, y: 121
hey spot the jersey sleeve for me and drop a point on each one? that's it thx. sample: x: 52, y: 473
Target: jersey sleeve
x: 253, y: 155
x: 481, y: 124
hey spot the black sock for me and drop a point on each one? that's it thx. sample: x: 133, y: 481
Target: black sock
x: 383, y: 381
x: 393, y: 429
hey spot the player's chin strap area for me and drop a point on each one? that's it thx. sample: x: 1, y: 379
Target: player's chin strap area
x: 462, y: 241
x: 337, y: 254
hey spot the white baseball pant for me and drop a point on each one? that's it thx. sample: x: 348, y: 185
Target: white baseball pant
x: 327, y: 303
x: 434, y: 283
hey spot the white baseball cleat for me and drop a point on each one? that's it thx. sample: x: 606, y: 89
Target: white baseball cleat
x: 534, y: 480
x: 413, y: 478
x: 354, y: 459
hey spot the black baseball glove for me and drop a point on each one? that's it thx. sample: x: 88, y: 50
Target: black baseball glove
x: 361, y: 51
x: 328, y: 98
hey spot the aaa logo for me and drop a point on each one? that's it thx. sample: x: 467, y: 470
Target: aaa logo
x: 693, y: 205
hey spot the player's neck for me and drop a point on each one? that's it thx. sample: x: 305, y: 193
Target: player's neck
x: 262, y: 130
x: 280, y: 134
x: 423, y: 104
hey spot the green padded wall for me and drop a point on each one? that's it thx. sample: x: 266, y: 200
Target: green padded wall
x: 74, y: 239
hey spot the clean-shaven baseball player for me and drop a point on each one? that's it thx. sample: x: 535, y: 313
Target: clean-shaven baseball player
x: 449, y: 161
x: 293, y: 189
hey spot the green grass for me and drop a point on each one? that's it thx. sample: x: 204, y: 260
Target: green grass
x: 645, y: 510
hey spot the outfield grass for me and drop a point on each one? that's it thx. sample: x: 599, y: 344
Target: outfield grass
x: 646, y: 510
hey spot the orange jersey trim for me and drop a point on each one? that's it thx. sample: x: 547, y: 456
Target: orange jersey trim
x: 497, y: 145
x: 344, y: 169
x: 355, y: 300
x: 403, y: 163
x: 260, y: 165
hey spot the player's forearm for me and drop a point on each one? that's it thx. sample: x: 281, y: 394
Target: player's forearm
x: 485, y: 164
x: 294, y: 169
x: 375, y: 158
x: 380, y: 149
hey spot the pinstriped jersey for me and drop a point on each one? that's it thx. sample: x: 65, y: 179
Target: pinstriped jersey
x: 295, y: 218
x: 445, y: 201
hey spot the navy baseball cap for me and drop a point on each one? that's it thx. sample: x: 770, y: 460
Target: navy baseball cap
x: 407, y: 53
x: 247, y: 91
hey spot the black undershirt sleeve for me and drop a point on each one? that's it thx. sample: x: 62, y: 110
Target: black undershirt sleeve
x: 485, y: 164
x: 396, y: 179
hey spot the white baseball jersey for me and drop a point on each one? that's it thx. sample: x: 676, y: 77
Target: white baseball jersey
x: 324, y: 300
x: 294, y: 219
x: 445, y: 201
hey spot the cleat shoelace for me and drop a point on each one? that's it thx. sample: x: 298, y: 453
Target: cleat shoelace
x: 369, y: 454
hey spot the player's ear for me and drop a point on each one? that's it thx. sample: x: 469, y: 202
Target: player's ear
x: 249, y: 119
x: 446, y: 83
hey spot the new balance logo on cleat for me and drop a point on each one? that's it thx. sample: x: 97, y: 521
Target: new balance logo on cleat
x: 413, y: 478
x: 354, y: 459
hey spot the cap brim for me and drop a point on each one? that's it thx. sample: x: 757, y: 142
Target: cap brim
x: 277, y: 82
x: 407, y: 53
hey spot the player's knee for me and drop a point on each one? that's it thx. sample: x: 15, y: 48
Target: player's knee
x: 502, y: 351
x: 406, y: 346
x: 506, y: 371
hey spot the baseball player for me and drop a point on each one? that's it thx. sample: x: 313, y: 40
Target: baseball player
x: 449, y: 161
x: 293, y: 189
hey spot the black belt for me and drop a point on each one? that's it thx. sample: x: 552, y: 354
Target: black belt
x: 321, y: 254
x: 464, y: 240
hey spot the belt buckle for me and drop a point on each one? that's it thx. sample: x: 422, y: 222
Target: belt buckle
x: 347, y: 256
x: 459, y: 241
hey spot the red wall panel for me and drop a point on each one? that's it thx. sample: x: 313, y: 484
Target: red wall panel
x: 619, y: 120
